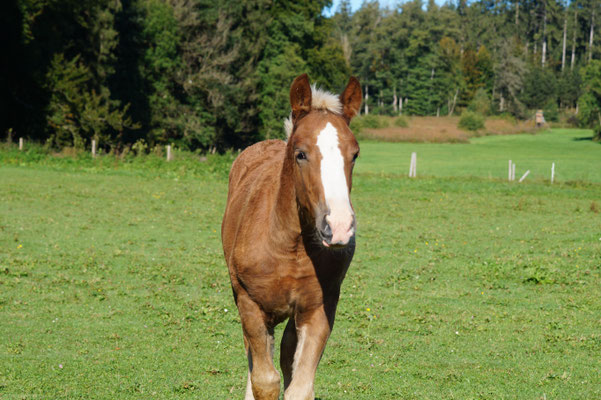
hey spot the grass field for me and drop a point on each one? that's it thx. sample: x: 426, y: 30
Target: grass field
x: 576, y: 157
x: 464, y: 286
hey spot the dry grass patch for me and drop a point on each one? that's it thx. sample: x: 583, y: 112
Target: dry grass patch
x: 444, y: 130
x: 502, y: 126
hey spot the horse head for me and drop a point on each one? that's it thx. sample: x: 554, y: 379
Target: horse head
x: 324, y: 150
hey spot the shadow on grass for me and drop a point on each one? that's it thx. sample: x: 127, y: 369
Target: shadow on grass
x: 579, y: 139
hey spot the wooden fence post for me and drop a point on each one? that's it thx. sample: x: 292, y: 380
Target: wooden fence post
x: 552, y: 172
x: 94, y: 148
x: 20, y: 143
x: 169, y: 155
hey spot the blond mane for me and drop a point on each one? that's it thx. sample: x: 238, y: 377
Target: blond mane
x: 320, y: 100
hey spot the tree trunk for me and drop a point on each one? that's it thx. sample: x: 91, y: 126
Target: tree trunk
x: 394, y: 101
x: 573, y: 61
x: 346, y: 48
x: 565, y: 34
x: 517, y: 13
x: 400, y: 105
x: 454, y: 102
x: 544, y: 52
x: 590, y: 41
x: 366, y: 98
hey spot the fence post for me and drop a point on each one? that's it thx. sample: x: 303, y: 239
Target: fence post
x: 509, y: 175
x: 552, y: 172
x: 524, y: 176
x: 413, y: 165
x: 94, y: 148
x: 169, y: 156
x: 20, y: 143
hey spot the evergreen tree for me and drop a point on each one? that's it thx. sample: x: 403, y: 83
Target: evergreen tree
x: 590, y: 101
x: 203, y: 74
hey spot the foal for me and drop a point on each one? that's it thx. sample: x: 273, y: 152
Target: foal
x: 289, y: 236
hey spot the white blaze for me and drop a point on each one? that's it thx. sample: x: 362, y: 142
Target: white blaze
x: 335, y: 187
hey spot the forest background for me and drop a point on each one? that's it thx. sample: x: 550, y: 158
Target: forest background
x: 201, y: 74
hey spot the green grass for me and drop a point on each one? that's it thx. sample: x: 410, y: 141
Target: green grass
x: 466, y: 288
x: 487, y: 157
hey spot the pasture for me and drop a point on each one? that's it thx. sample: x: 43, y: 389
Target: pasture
x: 113, y: 283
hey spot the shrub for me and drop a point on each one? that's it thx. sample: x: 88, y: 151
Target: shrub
x: 588, y: 110
x: 140, y: 147
x: 368, y: 121
x: 551, y: 112
x: 507, y: 117
x: 373, y: 122
x: 480, y: 103
x: 569, y: 118
x: 597, y: 133
x: 401, y: 122
x: 471, y: 121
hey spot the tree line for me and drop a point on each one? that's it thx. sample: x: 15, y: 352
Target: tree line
x: 498, y: 56
x: 202, y: 74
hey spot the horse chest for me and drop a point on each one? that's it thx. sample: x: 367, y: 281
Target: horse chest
x: 284, y: 285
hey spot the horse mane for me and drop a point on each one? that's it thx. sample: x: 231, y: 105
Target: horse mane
x: 320, y: 100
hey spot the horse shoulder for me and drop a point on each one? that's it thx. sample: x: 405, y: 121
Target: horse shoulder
x: 253, y: 188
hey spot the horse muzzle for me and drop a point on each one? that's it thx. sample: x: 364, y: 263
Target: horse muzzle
x: 336, y: 231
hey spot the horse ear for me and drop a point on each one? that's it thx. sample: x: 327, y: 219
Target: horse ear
x: 351, y: 98
x: 300, y: 97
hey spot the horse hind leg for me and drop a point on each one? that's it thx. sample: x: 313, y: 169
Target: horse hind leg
x: 264, y: 379
x: 287, y: 350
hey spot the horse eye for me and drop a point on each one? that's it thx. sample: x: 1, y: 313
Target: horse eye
x: 355, y: 156
x: 301, y: 156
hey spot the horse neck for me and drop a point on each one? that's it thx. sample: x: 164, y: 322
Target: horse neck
x: 285, y: 219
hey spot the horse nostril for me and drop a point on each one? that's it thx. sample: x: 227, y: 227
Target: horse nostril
x: 326, y: 230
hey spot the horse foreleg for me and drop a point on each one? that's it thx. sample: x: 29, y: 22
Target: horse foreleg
x: 287, y: 350
x: 263, y: 377
x: 312, y: 334
x: 249, y: 387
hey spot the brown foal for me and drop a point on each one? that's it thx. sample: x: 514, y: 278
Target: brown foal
x: 289, y: 236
